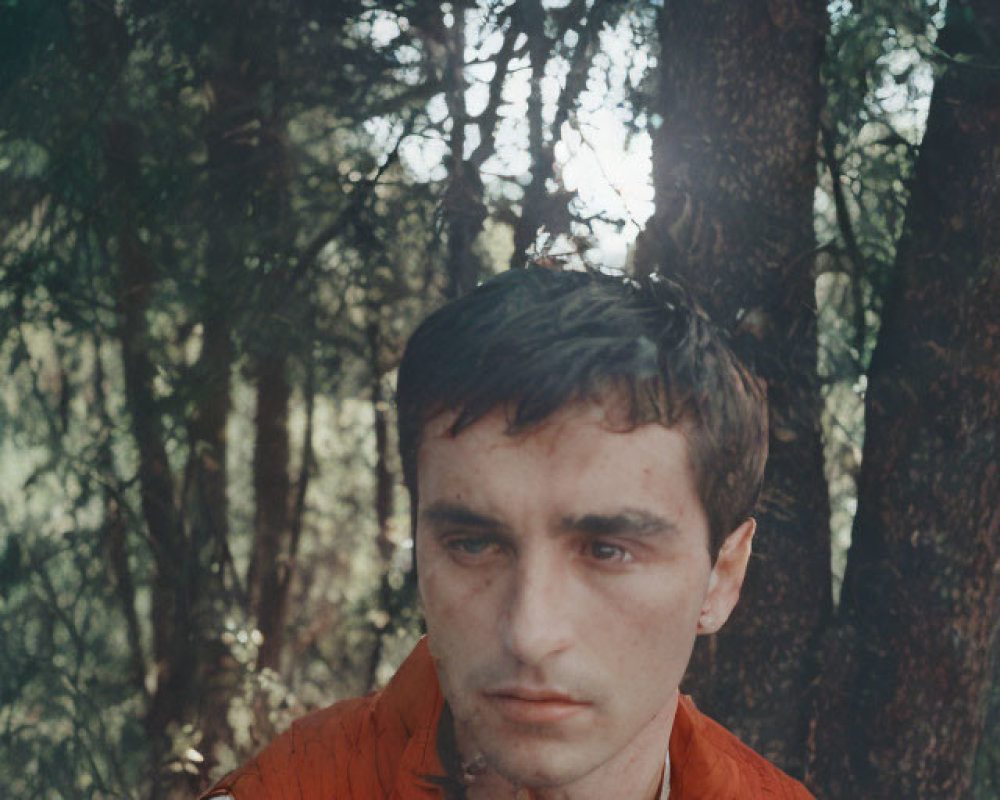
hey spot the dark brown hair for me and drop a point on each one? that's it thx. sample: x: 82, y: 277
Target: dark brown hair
x: 534, y: 340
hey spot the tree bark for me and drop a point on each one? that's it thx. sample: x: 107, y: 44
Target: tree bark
x: 237, y: 166
x: 272, y: 490
x: 115, y: 529
x: 206, y: 513
x: 538, y: 207
x: 173, y: 646
x: 532, y: 17
x: 207, y: 505
x: 250, y: 176
x: 734, y: 174
x: 383, y: 500
x: 464, y: 209
x: 909, y: 672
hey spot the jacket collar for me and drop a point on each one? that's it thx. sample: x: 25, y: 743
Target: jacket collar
x: 414, y: 697
x: 699, y: 768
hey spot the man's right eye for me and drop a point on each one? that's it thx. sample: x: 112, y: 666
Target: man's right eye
x: 471, y: 546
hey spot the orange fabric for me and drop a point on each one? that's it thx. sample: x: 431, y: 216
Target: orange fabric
x: 384, y: 747
x: 707, y: 761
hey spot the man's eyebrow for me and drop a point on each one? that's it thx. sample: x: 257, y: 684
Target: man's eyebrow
x: 631, y: 522
x: 446, y: 513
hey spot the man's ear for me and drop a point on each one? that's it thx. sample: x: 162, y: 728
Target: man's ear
x: 727, y: 578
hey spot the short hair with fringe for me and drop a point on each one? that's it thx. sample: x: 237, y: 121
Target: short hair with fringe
x: 534, y: 340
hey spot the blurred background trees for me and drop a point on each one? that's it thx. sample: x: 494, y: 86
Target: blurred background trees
x: 220, y: 220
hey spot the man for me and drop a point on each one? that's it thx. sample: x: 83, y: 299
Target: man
x: 583, y: 454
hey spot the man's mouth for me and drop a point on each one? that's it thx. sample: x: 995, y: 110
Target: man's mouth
x: 529, y: 706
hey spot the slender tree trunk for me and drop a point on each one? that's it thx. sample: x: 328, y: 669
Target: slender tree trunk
x: 301, y: 488
x: 464, y: 210
x: 231, y: 180
x: 273, y: 535
x: 206, y: 511
x: 383, y: 498
x: 532, y: 205
x: 114, y: 533
x: 185, y: 539
x: 384, y: 483
x: 734, y: 174
x: 908, y: 677
x: 208, y: 505
x: 250, y: 180
x: 272, y: 490
x: 538, y: 207
x: 173, y: 597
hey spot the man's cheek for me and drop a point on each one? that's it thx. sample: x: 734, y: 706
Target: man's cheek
x: 455, y: 599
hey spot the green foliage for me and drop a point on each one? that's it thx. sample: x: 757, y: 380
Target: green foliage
x: 117, y: 123
x: 69, y: 719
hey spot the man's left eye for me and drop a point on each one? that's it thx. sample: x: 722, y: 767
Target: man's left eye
x: 605, y: 551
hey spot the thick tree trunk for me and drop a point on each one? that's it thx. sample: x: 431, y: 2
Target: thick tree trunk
x: 908, y: 677
x: 734, y: 174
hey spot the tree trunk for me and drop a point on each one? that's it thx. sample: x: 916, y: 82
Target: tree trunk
x: 115, y: 529
x: 232, y: 179
x: 250, y: 182
x: 464, y: 210
x: 538, y: 207
x: 909, y: 674
x: 206, y: 481
x: 173, y: 596
x: 383, y: 498
x: 272, y: 490
x: 734, y: 173
x: 206, y: 512
x: 532, y: 16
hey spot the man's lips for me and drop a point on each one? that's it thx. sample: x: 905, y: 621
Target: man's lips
x: 534, y: 706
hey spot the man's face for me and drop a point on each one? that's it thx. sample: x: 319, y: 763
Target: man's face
x: 564, y: 574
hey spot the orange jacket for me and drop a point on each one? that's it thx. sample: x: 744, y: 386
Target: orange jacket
x: 384, y: 747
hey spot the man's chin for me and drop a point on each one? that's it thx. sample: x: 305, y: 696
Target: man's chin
x: 543, y: 766
x: 530, y: 753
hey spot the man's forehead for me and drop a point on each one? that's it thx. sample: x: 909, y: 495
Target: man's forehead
x: 575, y: 438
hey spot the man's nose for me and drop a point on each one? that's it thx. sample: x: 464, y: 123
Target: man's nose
x: 537, y: 620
